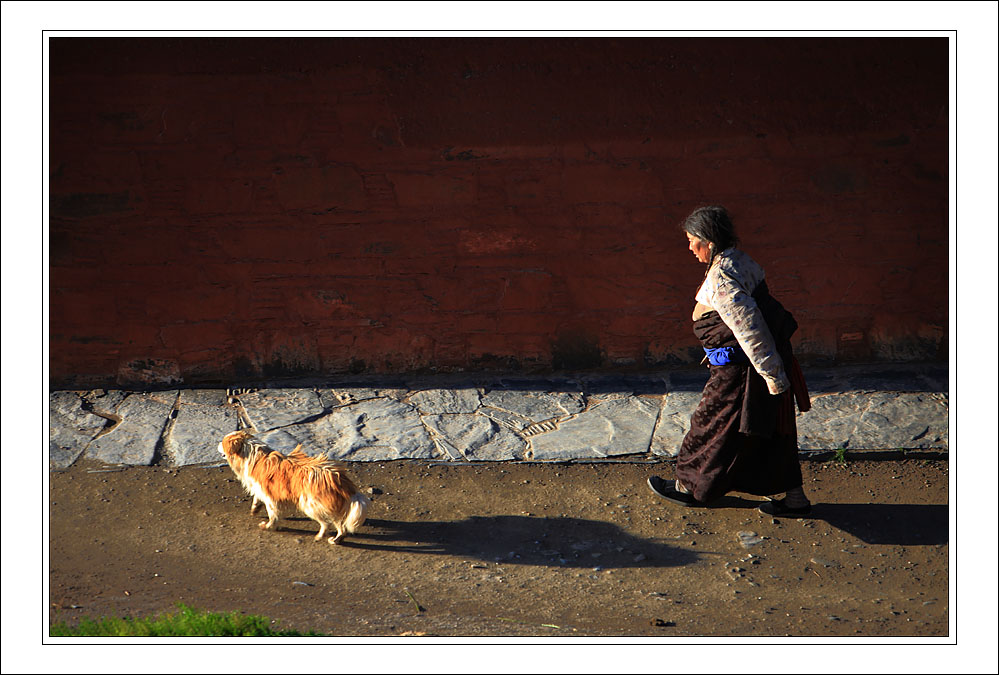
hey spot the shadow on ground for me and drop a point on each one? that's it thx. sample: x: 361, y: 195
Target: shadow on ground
x: 731, y: 502
x: 522, y: 540
x: 892, y: 524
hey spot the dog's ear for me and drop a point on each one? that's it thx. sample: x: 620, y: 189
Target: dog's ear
x: 244, y: 442
x: 234, y: 442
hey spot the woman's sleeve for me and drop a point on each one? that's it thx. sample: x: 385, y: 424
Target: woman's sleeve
x: 740, y: 313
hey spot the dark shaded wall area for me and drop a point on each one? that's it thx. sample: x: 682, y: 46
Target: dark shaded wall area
x: 228, y: 209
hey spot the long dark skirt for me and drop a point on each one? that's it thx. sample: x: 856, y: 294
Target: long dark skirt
x: 716, y: 458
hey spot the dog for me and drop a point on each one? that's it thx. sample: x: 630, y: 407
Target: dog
x: 316, y: 486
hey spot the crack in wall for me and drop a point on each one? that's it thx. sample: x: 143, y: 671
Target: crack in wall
x: 160, y: 452
x: 655, y: 424
x: 543, y: 427
x: 115, y: 420
x: 243, y: 418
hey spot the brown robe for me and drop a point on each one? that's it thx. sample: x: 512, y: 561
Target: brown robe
x: 742, y: 438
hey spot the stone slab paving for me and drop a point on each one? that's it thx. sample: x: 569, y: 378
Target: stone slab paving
x: 619, y: 426
x: 483, y: 418
x: 139, y: 435
x: 71, y: 428
x: 200, y: 414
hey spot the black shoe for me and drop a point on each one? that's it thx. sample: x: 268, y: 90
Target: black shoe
x: 667, y: 490
x: 777, y: 507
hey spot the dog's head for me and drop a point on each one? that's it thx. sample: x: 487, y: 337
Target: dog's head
x: 235, y: 447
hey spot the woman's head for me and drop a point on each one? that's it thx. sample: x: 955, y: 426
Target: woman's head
x: 709, y: 231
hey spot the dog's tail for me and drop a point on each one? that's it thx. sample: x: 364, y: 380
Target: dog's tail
x: 357, y: 514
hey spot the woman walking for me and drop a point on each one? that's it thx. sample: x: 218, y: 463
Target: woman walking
x: 743, y: 436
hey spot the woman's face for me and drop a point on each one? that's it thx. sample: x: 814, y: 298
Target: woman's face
x: 699, y: 247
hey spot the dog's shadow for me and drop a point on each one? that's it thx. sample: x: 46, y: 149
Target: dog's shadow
x: 521, y: 540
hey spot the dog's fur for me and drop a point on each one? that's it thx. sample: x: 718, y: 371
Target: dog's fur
x: 315, y: 486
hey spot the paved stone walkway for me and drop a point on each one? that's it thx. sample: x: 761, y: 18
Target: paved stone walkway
x: 894, y: 409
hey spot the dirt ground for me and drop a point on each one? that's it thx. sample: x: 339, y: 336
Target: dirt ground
x: 522, y: 549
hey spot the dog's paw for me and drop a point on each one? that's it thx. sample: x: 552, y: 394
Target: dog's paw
x: 336, y: 540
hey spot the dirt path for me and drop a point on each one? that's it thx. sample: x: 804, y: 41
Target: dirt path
x: 514, y: 550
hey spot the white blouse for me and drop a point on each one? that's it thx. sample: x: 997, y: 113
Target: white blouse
x: 728, y: 289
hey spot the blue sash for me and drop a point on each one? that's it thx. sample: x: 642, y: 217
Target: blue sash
x: 726, y: 356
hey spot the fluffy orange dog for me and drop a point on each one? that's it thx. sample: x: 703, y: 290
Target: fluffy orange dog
x: 316, y: 486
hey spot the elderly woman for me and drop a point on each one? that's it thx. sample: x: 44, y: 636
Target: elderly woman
x: 742, y: 434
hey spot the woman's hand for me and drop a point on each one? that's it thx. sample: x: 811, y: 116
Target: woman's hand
x: 777, y: 387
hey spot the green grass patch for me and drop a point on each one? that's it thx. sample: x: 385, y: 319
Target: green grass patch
x: 186, y: 622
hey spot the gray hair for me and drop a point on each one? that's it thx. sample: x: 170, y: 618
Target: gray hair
x: 713, y: 225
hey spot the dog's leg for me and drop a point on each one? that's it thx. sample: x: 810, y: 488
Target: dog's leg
x: 254, y: 506
x: 322, y: 530
x: 339, y: 535
x: 272, y: 515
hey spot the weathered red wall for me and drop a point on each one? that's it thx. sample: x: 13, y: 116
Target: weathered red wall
x: 223, y: 209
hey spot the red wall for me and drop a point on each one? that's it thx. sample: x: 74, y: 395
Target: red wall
x: 224, y: 209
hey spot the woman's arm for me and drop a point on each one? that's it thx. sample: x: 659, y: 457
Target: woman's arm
x: 736, y: 307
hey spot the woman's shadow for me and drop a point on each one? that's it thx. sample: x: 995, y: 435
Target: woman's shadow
x: 889, y: 524
x: 522, y: 540
x: 886, y: 524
